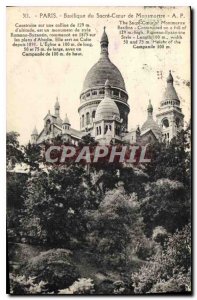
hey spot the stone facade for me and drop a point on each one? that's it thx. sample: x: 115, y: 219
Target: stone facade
x: 104, y: 110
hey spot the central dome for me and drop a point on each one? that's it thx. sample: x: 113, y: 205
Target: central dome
x: 104, y: 69
x: 94, y: 89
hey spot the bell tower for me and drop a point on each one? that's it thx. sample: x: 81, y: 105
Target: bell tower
x: 170, y: 117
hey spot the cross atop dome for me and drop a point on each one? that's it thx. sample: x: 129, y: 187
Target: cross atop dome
x: 66, y: 120
x: 104, y: 43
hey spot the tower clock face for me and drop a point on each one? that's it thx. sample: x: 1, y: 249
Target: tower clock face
x: 165, y: 123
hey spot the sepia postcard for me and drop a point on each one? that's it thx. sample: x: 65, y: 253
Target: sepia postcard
x: 99, y: 150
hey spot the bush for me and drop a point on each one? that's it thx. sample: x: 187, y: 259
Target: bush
x: 171, y: 264
x: 53, y: 266
x: 166, y: 204
x: 19, y: 285
x: 160, y: 235
x: 114, y: 228
x: 178, y: 283
x: 119, y: 287
x: 83, y: 286
x: 145, y: 248
x: 55, y: 206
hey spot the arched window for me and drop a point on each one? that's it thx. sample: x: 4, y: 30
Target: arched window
x: 165, y: 123
x: 82, y: 121
x: 99, y: 129
x: 93, y: 114
x: 87, y: 118
x: 117, y: 130
x: 106, y: 127
x: 116, y: 92
x: 177, y: 122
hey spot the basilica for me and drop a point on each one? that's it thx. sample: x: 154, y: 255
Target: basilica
x: 104, y: 110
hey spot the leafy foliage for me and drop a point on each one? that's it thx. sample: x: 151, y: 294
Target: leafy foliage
x: 131, y: 221
x: 166, y: 204
x: 16, y: 189
x: 83, y: 286
x: 19, y: 285
x: 114, y: 225
x: 14, y: 152
x: 167, y: 267
x: 172, y: 160
x: 32, y: 155
x: 54, y: 266
x: 56, y: 204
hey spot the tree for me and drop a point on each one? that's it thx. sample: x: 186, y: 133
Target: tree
x: 32, y: 155
x: 114, y: 227
x: 169, y: 270
x: 14, y: 152
x: 55, y: 267
x: 56, y: 204
x: 134, y: 180
x: 166, y: 204
x: 16, y: 187
x: 172, y: 160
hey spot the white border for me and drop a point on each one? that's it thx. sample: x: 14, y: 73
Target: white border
x: 3, y: 4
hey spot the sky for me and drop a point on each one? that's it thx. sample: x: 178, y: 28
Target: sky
x: 34, y: 83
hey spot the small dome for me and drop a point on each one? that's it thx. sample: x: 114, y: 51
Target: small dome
x: 170, y: 92
x: 107, y: 108
x: 35, y: 132
x: 66, y: 120
x: 151, y: 124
